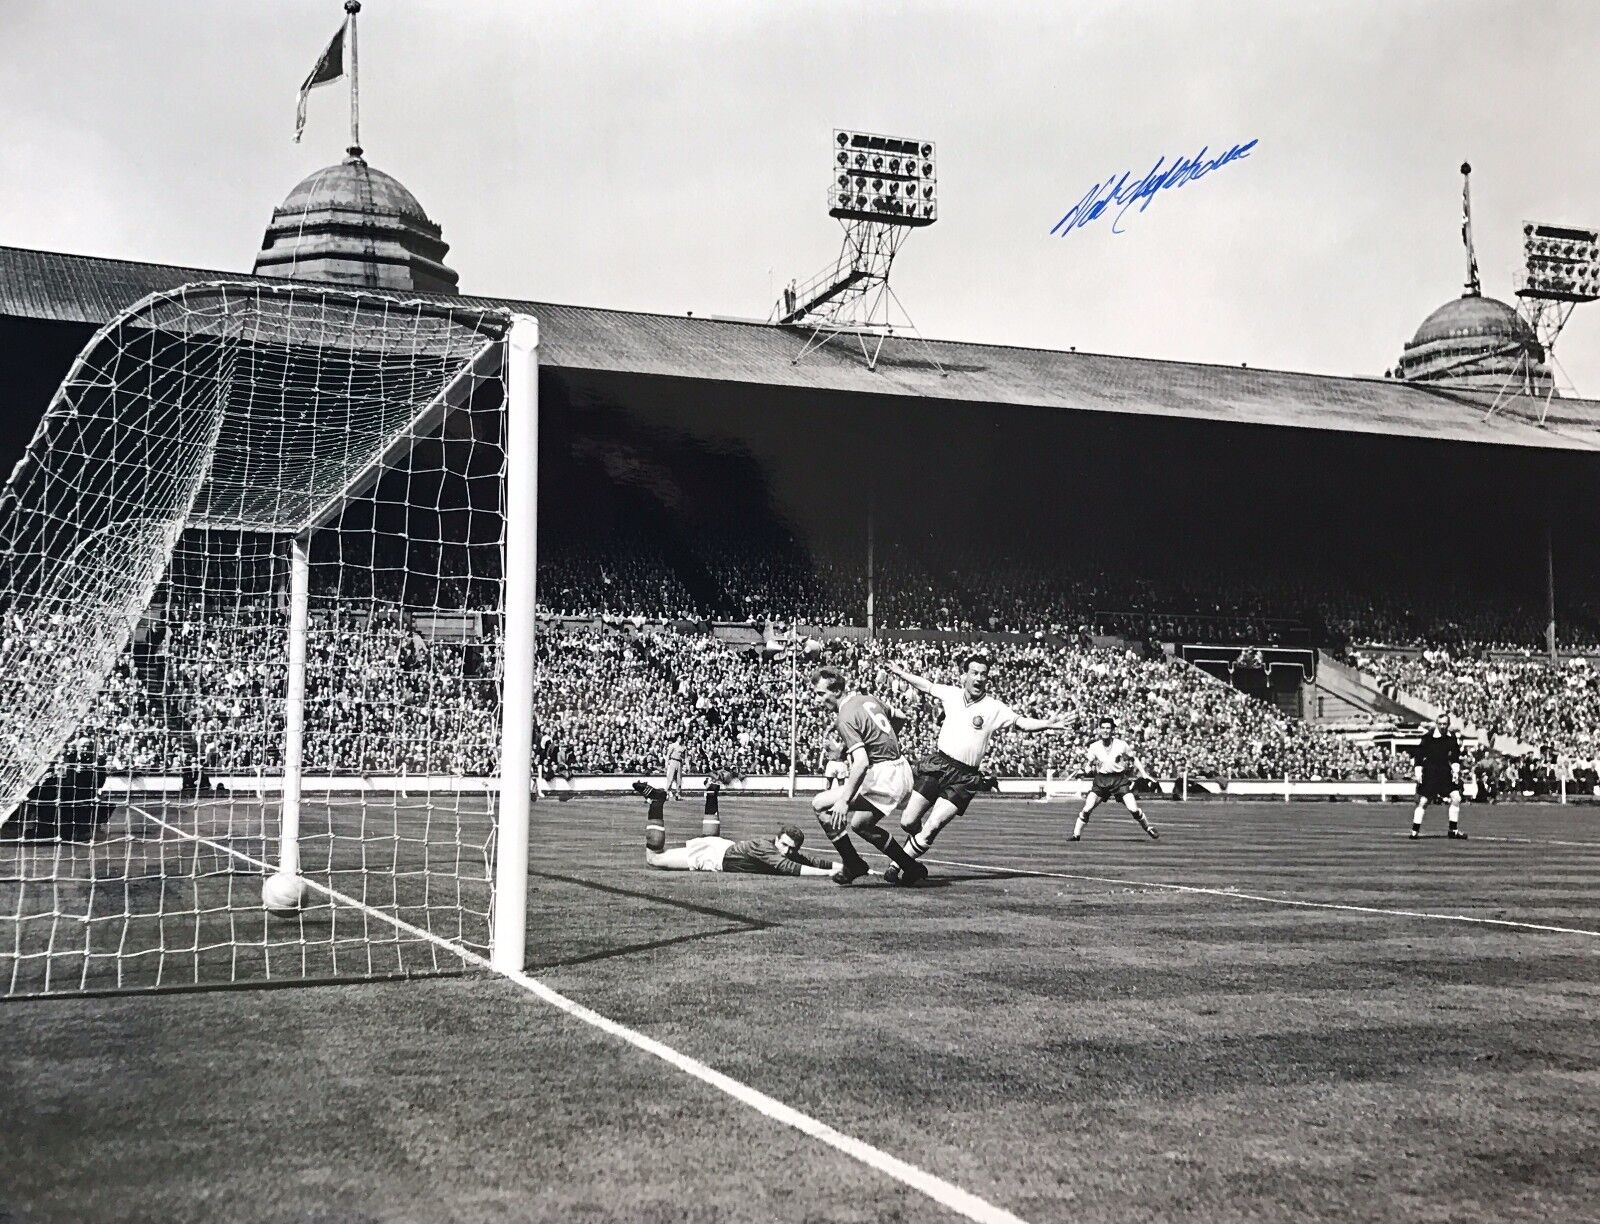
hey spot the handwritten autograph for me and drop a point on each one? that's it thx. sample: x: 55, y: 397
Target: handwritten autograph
x: 1102, y: 196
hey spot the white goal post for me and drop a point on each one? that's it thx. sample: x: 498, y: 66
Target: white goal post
x: 516, y: 725
x: 285, y: 532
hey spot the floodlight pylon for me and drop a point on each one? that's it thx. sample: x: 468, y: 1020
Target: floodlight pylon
x: 884, y: 187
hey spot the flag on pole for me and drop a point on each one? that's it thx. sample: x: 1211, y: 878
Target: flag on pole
x: 329, y: 68
x: 1466, y: 230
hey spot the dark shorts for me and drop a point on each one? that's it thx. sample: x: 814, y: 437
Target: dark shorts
x: 1113, y: 786
x: 939, y: 776
x: 1437, y: 787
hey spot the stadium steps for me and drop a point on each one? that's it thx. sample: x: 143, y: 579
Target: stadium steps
x: 1358, y: 689
x: 1342, y: 695
x: 836, y: 289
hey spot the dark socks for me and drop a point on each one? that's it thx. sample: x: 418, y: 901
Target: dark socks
x: 711, y: 824
x: 886, y: 844
x: 854, y: 864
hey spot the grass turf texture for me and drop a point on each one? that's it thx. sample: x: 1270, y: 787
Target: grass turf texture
x: 1068, y: 1049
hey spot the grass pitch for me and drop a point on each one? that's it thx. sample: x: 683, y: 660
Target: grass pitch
x: 1069, y: 1046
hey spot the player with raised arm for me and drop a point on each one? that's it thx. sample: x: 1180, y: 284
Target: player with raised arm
x: 779, y: 856
x: 946, y: 780
x: 1113, y: 768
x: 878, y: 780
x: 1438, y: 772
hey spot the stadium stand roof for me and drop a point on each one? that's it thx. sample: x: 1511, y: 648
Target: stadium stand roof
x: 48, y: 285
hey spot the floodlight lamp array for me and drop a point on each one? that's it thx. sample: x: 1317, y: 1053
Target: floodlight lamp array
x: 1562, y: 263
x: 888, y: 179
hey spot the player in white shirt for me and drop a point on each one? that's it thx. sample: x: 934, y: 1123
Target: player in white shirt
x: 675, y: 755
x: 947, y: 778
x: 834, y: 762
x: 1112, y: 765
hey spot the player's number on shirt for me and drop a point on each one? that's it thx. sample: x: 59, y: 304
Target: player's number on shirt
x: 875, y: 712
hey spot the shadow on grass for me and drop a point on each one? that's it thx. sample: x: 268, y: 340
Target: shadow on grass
x: 635, y: 948
x: 653, y: 898
x: 739, y: 924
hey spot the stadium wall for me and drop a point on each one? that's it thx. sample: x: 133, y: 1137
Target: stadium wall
x: 776, y: 784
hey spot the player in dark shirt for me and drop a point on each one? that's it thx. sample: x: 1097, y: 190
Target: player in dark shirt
x: 876, y: 785
x: 779, y: 856
x: 1438, y: 757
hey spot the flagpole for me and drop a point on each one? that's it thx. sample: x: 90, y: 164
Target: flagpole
x: 352, y: 7
x: 1472, y: 286
x: 794, y: 709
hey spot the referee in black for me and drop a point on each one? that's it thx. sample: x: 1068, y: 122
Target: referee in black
x: 1438, y: 774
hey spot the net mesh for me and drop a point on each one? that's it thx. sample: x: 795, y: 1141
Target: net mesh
x: 145, y: 543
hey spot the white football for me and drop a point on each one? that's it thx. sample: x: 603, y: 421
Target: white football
x: 283, y: 894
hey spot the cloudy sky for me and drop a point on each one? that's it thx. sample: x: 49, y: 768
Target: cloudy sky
x: 674, y: 156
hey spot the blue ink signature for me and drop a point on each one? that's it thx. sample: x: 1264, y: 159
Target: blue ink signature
x: 1141, y: 192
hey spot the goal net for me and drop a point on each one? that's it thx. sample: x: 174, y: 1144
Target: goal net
x: 265, y: 623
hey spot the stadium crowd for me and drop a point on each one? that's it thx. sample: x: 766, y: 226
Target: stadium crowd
x: 625, y: 666
x: 1179, y: 720
x: 924, y: 586
x: 206, y: 692
x: 1555, y: 709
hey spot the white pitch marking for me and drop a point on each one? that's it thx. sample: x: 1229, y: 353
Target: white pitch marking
x: 1235, y: 895
x: 946, y: 1194
x: 1532, y: 841
x: 942, y: 1192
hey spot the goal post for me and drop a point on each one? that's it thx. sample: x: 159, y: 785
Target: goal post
x: 267, y: 583
x: 508, y: 927
x: 294, y: 707
x: 509, y: 917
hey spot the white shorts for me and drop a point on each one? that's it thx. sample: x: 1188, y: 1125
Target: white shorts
x: 706, y: 853
x: 887, y: 784
x: 835, y: 771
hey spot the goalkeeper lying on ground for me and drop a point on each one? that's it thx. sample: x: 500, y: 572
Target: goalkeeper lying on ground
x: 710, y: 852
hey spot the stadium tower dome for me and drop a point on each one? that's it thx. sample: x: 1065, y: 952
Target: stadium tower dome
x: 1475, y: 341
x: 352, y: 224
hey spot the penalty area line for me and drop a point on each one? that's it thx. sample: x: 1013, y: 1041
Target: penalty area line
x: 946, y: 1194
x: 1235, y: 895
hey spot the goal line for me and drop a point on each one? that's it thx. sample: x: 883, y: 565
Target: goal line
x: 946, y: 1194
